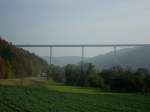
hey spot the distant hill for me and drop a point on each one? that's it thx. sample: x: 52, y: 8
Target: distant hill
x: 129, y: 57
x: 63, y: 60
x: 17, y: 62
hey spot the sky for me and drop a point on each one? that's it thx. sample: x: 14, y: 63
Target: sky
x: 75, y: 22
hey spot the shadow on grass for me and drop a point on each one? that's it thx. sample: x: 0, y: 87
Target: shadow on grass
x: 78, y: 90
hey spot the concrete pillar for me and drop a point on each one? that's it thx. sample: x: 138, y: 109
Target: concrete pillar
x: 50, y: 58
x: 115, y: 55
x: 115, y: 51
x: 82, y: 58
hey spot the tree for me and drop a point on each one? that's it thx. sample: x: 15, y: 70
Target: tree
x: 17, y: 62
x: 146, y: 87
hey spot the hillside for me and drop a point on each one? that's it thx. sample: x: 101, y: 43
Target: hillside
x: 128, y: 57
x: 17, y: 62
x: 132, y: 57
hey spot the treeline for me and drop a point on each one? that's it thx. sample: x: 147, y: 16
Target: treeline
x: 114, y: 79
x: 17, y: 62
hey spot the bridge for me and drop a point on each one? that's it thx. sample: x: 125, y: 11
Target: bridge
x: 82, y: 46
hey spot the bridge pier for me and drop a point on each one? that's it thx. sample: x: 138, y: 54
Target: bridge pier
x: 82, y: 58
x: 50, y: 57
x: 115, y: 54
x: 115, y: 51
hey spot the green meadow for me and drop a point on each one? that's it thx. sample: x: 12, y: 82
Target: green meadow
x: 46, y: 96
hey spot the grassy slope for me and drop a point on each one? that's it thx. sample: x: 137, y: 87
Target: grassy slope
x: 52, y: 97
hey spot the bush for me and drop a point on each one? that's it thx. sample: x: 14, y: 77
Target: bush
x: 115, y: 79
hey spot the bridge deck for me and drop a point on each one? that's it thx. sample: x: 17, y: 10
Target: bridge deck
x: 85, y: 45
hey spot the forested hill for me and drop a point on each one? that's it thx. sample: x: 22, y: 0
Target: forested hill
x: 17, y: 62
x: 138, y: 57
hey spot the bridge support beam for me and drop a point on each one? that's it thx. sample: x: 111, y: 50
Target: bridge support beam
x: 50, y: 57
x: 82, y: 58
x: 115, y: 51
x: 115, y: 54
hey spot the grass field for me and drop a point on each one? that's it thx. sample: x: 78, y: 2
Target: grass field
x: 53, y: 97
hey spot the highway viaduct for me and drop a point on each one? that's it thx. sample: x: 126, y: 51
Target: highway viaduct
x: 82, y: 46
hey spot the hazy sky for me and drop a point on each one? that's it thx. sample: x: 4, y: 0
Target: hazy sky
x: 75, y: 22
